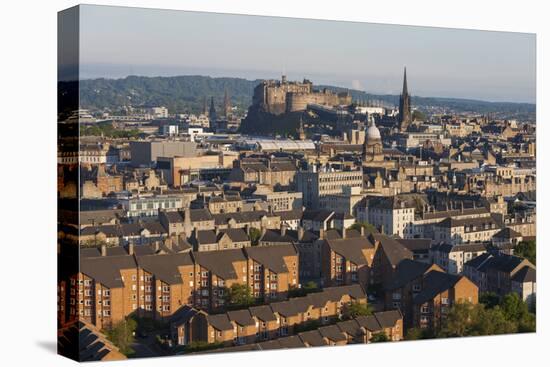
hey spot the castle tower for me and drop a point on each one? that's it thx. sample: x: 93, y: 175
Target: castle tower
x: 212, y: 111
x: 226, y: 104
x: 404, y: 105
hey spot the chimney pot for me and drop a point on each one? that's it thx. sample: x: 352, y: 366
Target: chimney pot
x: 103, y: 250
x: 131, y: 249
x: 321, y: 234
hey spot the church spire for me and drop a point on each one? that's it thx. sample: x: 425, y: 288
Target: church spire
x: 405, y: 89
x: 405, y: 116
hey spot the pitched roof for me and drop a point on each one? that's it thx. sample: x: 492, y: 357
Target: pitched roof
x: 525, y: 275
x: 285, y: 308
x: 388, y: 319
x: 350, y: 327
x: 183, y: 314
x: 264, y: 313
x: 272, y: 235
x: 106, y: 269
x: 272, y: 257
x: 241, y: 317
x: 507, y: 233
x: 84, y: 342
x: 395, y: 252
x: 320, y: 215
x: 369, y: 322
x: 220, y: 322
x: 351, y: 248
x: 313, y: 338
x: 291, y: 214
x: 292, y: 341
x: 165, y: 267
x: 406, y: 271
x: 220, y: 262
x: 332, y: 332
x: 416, y: 244
x: 435, y: 282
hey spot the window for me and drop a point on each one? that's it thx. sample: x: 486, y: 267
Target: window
x: 106, y: 293
x: 416, y: 288
x: 444, y: 301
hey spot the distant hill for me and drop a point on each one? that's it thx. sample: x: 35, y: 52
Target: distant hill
x: 178, y: 93
x: 186, y: 93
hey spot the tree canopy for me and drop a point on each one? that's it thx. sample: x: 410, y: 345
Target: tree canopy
x: 238, y: 296
x: 510, y: 315
x: 379, y: 337
x: 527, y: 250
x: 357, y: 309
x: 122, y: 335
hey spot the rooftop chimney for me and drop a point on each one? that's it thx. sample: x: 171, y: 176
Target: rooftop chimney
x: 300, y: 233
x: 362, y: 231
x: 103, y: 250
x: 321, y: 234
x: 130, y: 249
x: 283, y: 229
x: 344, y: 232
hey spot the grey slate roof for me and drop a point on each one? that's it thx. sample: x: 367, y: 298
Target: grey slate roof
x: 351, y: 248
x: 313, y: 338
x: 241, y: 317
x: 435, y: 282
x: 264, y: 313
x: 272, y: 256
x: 406, y: 271
x: 394, y: 251
x: 220, y: 322
x: 525, y: 275
x: 165, y: 267
x: 220, y: 262
x: 106, y: 270
x: 332, y: 332
x: 388, y: 319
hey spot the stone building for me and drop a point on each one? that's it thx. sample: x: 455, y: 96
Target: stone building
x: 281, y: 96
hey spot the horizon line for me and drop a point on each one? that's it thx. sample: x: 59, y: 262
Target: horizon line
x: 327, y: 85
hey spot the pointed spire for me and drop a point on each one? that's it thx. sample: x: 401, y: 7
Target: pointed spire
x: 405, y: 89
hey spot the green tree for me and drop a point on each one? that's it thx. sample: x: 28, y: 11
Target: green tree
x: 514, y: 307
x: 489, y: 299
x: 527, y: 250
x: 369, y: 228
x: 357, y: 309
x: 418, y: 333
x: 238, y: 296
x: 418, y: 116
x: 309, y: 287
x: 255, y: 235
x: 460, y: 320
x: 122, y: 335
x: 492, y: 321
x: 379, y: 337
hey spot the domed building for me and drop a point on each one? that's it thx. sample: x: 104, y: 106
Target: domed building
x: 372, y: 147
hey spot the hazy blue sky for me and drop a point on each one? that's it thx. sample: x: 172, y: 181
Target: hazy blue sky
x: 494, y: 66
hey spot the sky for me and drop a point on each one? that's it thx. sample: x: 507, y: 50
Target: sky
x: 492, y: 66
